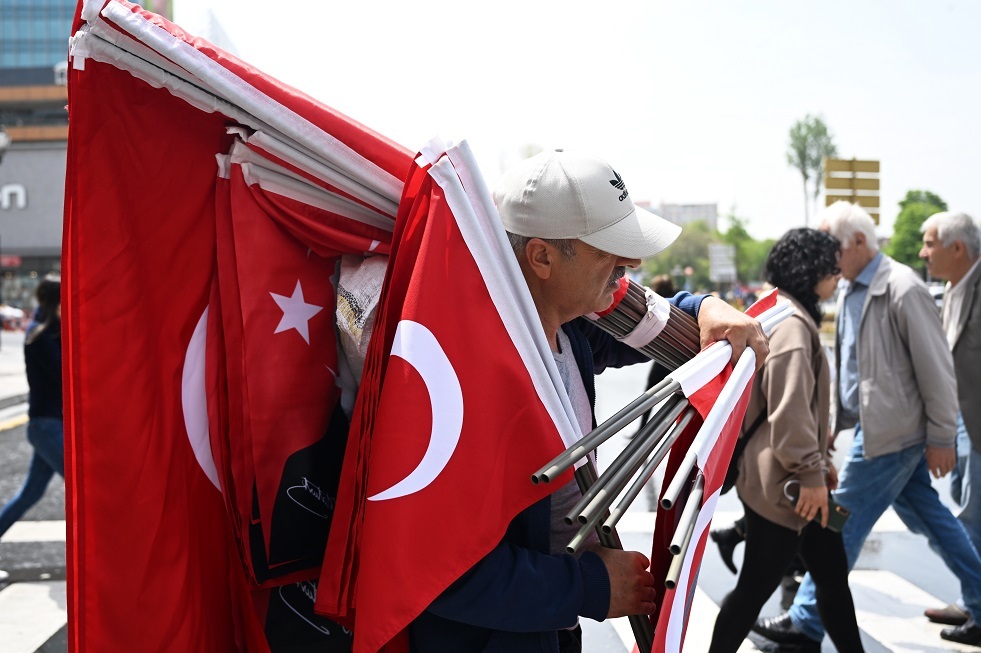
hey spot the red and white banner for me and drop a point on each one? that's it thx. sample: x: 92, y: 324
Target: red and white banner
x: 447, y: 430
x: 720, y: 397
x: 199, y: 357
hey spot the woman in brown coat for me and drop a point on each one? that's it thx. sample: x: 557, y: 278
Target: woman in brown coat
x: 787, y: 456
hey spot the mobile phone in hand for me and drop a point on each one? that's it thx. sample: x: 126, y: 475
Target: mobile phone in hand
x: 837, y: 516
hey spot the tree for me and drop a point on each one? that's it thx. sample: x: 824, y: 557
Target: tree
x: 906, y: 241
x: 810, y: 143
x: 691, y: 249
x: 750, y: 253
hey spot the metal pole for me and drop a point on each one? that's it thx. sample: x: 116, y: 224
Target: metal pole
x: 640, y: 624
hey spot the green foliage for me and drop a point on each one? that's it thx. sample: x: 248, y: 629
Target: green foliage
x: 691, y: 250
x: 906, y: 241
x: 750, y: 253
x: 810, y: 143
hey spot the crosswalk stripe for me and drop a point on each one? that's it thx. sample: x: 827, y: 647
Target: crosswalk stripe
x: 30, y: 613
x: 36, y: 531
x: 700, y: 625
x: 890, y: 609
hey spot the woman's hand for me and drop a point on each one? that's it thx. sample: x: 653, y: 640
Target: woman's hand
x: 812, y: 500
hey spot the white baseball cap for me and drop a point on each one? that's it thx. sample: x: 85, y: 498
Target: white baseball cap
x: 564, y: 195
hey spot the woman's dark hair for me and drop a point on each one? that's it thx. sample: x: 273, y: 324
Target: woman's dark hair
x: 48, y: 295
x: 800, y: 259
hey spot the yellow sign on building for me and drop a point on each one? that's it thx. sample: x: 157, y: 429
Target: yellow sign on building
x: 853, y: 180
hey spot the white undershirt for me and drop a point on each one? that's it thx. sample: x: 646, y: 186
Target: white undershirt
x: 566, y: 497
x: 954, y: 297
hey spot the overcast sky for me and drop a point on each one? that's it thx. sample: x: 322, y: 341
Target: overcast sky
x: 690, y: 101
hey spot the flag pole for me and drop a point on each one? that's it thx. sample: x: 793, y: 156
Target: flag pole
x: 683, y: 533
x: 640, y: 624
x: 606, y: 430
x: 663, y: 448
x: 627, y: 464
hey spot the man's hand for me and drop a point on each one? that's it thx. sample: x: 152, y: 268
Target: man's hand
x: 812, y: 500
x: 719, y: 321
x: 940, y: 462
x: 631, y: 584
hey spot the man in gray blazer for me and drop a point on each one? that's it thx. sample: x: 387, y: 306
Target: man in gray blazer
x: 951, y: 250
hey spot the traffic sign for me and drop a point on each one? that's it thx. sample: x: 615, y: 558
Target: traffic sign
x: 851, y: 165
x: 852, y: 183
x: 866, y: 201
x: 853, y: 180
x: 722, y: 263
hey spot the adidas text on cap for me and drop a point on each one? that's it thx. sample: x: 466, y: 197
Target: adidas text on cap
x: 564, y: 195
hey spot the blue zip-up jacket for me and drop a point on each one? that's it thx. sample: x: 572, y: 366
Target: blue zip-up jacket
x: 518, y: 596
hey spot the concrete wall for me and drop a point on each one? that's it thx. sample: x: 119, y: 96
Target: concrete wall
x: 32, y: 195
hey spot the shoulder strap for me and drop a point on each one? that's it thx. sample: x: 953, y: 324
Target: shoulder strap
x: 756, y: 424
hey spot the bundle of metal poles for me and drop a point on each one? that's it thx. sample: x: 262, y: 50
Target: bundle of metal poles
x: 635, y: 465
x: 676, y: 341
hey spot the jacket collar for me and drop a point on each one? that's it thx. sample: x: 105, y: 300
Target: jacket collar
x: 880, y: 280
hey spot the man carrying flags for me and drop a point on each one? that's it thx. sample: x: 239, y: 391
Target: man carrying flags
x: 574, y: 230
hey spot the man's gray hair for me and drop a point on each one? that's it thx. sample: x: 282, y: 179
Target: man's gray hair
x: 566, y: 246
x: 843, y: 220
x: 952, y: 226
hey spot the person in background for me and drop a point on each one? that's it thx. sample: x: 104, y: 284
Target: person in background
x: 951, y: 250
x: 45, y: 431
x: 904, y: 429
x: 786, y: 425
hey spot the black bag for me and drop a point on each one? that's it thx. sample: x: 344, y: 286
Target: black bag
x: 733, y: 471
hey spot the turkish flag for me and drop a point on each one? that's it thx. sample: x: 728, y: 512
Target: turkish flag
x: 167, y: 518
x: 721, y: 405
x: 448, y: 428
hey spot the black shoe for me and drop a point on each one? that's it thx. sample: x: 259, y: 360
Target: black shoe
x: 967, y: 633
x: 782, y: 630
x: 727, y: 539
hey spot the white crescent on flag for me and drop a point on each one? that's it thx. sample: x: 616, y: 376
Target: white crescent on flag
x: 419, y: 348
x: 194, y: 401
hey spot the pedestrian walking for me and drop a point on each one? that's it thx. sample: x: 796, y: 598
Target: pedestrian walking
x: 786, y: 451
x: 888, y: 328
x: 952, y: 251
x: 45, y: 430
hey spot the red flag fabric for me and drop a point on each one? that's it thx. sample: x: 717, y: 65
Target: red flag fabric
x: 444, y: 425
x: 157, y: 508
x: 722, y: 399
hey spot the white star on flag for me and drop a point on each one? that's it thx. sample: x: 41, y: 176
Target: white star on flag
x: 296, y: 312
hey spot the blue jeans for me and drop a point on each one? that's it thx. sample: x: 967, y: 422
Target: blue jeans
x: 867, y: 488
x: 46, y: 435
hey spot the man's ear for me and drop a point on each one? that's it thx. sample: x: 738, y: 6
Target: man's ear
x: 540, y: 257
x: 959, y: 249
x: 858, y: 239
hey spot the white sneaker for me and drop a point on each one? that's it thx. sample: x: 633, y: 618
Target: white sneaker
x: 4, y: 576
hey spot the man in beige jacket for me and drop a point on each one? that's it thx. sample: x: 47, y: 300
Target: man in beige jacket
x: 952, y: 250
x: 896, y: 387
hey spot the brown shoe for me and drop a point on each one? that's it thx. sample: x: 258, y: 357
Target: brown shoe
x: 950, y: 615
